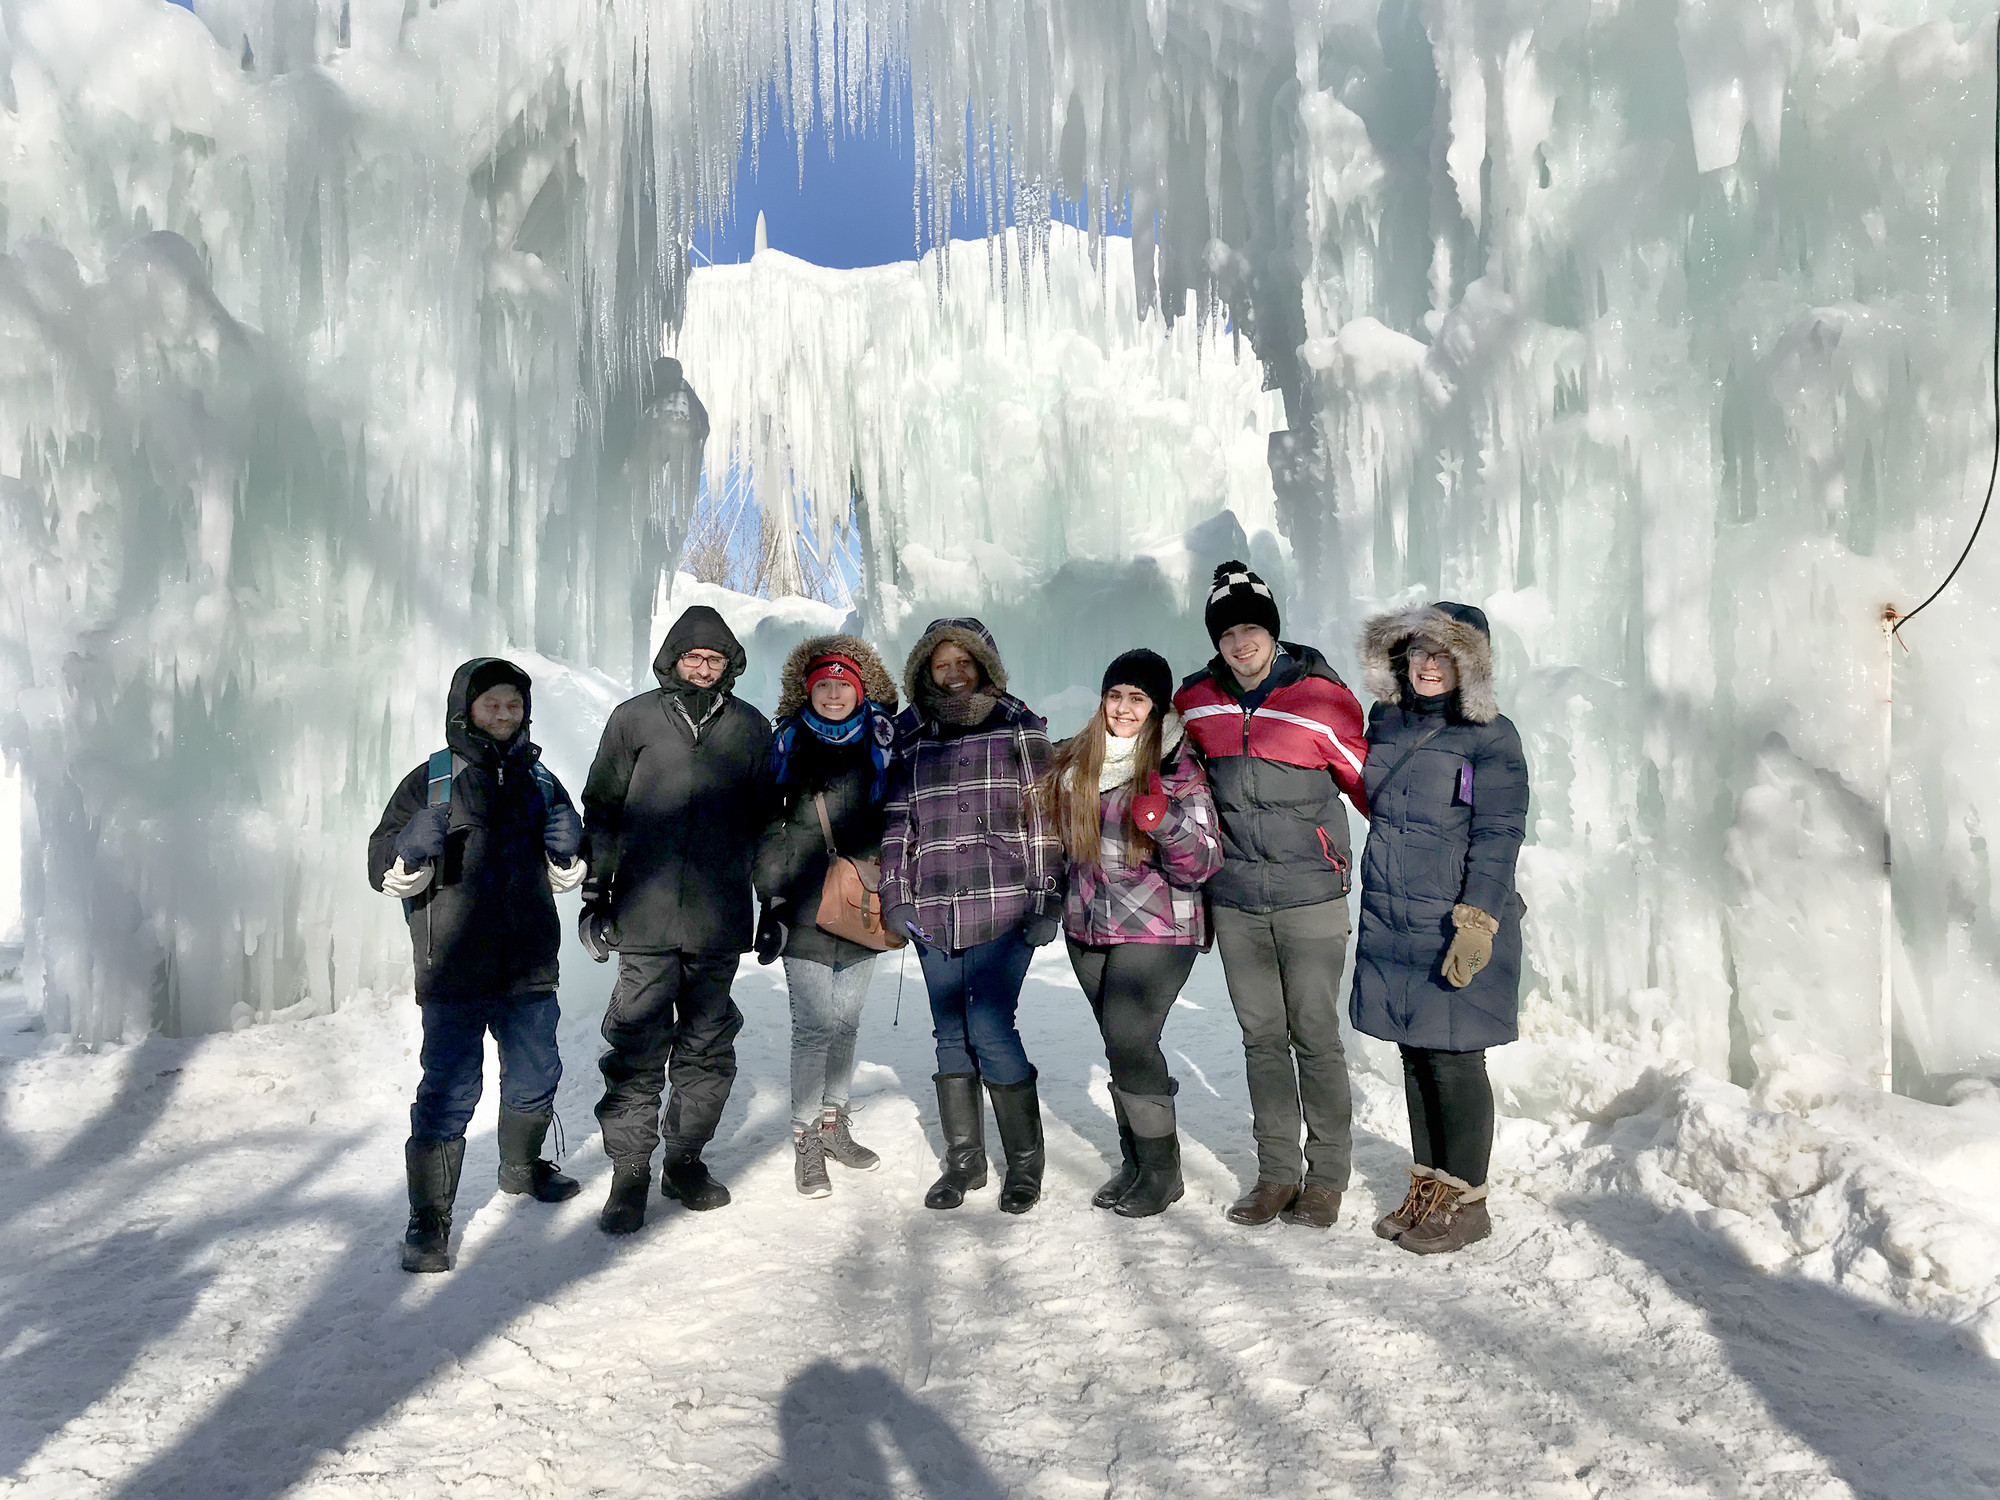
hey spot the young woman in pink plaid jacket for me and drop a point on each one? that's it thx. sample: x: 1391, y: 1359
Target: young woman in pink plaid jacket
x: 1130, y: 802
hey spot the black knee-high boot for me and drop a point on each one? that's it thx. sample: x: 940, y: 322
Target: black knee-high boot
x: 1017, y: 1110
x: 432, y: 1168
x: 962, y: 1119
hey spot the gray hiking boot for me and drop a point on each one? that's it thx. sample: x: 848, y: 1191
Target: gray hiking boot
x: 809, y: 1161
x: 841, y: 1145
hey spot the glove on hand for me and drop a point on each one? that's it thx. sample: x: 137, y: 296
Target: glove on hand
x: 565, y: 878
x: 590, y: 928
x: 1042, y: 930
x: 563, y: 838
x: 771, y: 933
x: 902, y: 918
x: 1150, y: 810
x: 422, y: 838
x: 1471, y: 946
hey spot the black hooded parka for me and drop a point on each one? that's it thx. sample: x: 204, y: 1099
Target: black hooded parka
x: 486, y: 925
x: 675, y: 801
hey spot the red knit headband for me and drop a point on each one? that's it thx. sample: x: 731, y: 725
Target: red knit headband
x: 840, y: 668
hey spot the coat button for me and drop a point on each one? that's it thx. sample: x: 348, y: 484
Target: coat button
x: 964, y: 807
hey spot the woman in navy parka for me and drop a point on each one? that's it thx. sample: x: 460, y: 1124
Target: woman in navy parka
x: 1437, y: 966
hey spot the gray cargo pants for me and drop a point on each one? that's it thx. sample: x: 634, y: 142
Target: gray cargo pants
x: 1283, y: 969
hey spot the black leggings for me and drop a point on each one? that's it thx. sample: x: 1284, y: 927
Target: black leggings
x: 1131, y: 987
x: 1451, y: 1111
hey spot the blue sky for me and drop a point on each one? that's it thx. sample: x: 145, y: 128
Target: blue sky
x: 854, y: 209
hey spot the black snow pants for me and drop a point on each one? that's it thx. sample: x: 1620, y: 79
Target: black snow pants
x: 1451, y: 1111
x: 670, y: 1018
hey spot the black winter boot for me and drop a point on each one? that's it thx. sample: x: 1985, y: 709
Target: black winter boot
x: 962, y: 1119
x: 1156, y: 1141
x: 625, y: 1210
x: 1159, y: 1178
x: 1128, y: 1171
x: 685, y: 1176
x: 522, y: 1169
x: 1017, y: 1110
x: 432, y: 1167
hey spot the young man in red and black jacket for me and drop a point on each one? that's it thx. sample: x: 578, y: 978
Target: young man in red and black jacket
x: 1284, y: 741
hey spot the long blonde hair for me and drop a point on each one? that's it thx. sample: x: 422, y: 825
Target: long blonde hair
x: 1068, y: 794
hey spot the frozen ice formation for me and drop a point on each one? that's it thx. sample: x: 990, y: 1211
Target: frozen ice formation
x: 1658, y: 331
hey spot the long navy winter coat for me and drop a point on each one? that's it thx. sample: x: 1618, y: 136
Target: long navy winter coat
x: 1446, y: 830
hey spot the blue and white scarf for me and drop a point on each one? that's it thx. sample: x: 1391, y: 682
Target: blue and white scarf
x: 870, y: 721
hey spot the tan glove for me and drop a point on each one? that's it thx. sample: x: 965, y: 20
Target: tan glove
x: 1471, y: 947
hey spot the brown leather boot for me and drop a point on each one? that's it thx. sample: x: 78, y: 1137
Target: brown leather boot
x: 1316, y: 1206
x: 1262, y: 1203
x: 1410, y: 1209
x: 1454, y: 1216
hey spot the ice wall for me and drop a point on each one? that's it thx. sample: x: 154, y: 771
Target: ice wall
x: 323, y: 340
x: 1033, y: 449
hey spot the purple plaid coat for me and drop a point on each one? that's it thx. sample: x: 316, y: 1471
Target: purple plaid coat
x: 964, y: 844
x: 1159, y: 901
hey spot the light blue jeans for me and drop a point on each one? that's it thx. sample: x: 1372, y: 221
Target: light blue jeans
x: 826, y: 1017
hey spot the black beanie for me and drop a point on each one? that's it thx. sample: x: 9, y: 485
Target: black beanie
x: 1145, y: 670
x: 494, y: 673
x: 1239, y: 597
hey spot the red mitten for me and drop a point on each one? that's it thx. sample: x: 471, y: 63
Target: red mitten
x: 1150, y: 811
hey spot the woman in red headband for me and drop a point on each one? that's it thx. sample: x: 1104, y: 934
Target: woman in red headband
x: 831, y: 749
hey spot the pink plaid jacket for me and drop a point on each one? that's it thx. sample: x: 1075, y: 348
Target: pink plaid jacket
x: 1160, y: 901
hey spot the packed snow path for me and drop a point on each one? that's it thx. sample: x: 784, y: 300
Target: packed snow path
x: 199, y: 1297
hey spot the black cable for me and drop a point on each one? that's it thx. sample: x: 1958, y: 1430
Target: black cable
x: 1994, y: 474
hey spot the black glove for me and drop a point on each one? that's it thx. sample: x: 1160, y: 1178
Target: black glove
x: 590, y: 929
x: 902, y: 919
x: 563, y: 837
x: 771, y: 933
x: 422, y: 838
x: 1042, y: 930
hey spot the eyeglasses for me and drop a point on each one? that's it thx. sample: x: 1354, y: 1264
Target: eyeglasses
x: 703, y: 659
x: 1426, y: 653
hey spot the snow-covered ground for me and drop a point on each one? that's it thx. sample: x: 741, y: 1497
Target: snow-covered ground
x: 199, y: 1294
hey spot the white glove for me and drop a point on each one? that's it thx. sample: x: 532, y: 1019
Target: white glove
x: 400, y: 881
x: 562, y: 880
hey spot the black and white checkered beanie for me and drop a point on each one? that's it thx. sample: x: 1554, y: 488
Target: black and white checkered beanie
x: 1239, y: 597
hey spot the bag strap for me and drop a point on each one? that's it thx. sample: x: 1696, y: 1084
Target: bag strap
x: 825, y: 827
x: 445, y: 765
x: 443, y: 769
x: 1422, y: 740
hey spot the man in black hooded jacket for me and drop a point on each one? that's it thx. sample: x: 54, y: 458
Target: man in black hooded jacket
x: 676, y: 798
x: 476, y: 842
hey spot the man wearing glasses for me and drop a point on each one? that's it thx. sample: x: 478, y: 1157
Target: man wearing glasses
x: 678, y: 793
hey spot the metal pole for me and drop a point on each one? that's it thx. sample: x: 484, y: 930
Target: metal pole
x: 1888, y: 1076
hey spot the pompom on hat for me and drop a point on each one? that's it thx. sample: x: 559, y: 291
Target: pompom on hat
x: 1239, y: 597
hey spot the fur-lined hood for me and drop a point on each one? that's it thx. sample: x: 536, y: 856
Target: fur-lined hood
x: 1459, y: 628
x: 875, y: 678
x: 970, y: 636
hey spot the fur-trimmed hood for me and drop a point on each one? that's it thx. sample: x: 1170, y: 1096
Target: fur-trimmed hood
x: 1459, y: 628
x: 970, y: 636
x: 875, y: 678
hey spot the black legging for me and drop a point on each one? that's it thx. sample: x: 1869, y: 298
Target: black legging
x: 1451, y: 1111
x: 1131, y: 987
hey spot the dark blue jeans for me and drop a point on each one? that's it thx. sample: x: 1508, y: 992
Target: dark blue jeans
x: 973, y: 998
x: 454, y: 1057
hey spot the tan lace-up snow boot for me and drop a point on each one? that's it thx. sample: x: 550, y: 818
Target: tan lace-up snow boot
x: 1410, y: 1209
x: 1453, y: 1217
